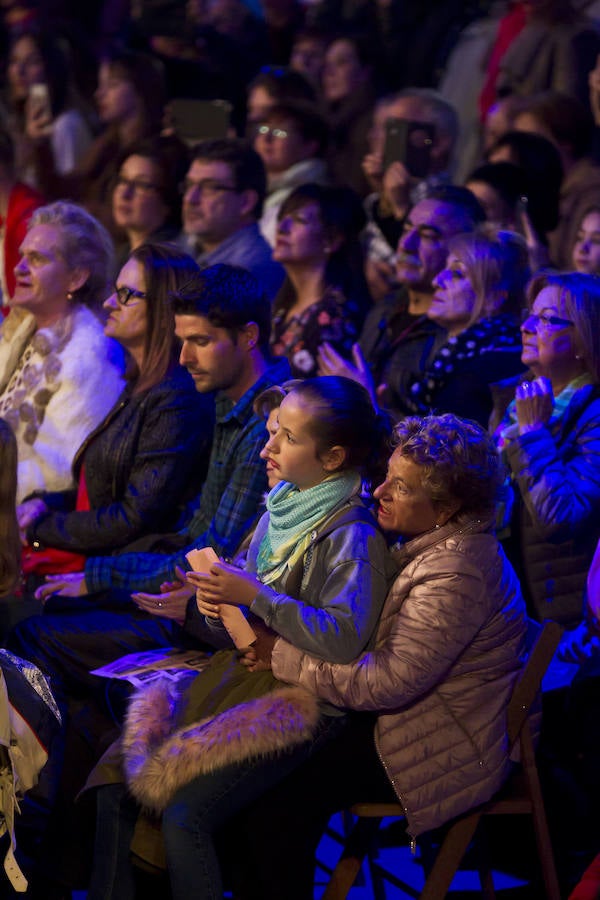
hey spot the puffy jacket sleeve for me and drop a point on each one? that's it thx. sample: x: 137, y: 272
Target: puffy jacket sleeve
x: 428, y: 620
x: 174, y: 436
x: 561, y: 490
x: 344, y: 596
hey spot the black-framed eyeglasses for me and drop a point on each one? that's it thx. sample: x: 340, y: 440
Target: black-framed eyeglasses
x: 207, y: 186
x: 544, y: 320
x: 142, y: 187
x: 125, y: 294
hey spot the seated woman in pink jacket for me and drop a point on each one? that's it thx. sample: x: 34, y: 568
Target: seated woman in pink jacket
x: 431, y: 693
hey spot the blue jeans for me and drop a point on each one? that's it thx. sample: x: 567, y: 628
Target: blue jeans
x: 210, y: 801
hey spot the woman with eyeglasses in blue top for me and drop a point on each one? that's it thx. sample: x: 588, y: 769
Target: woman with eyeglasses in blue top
x: 148, y: 456
x: 550, y: 439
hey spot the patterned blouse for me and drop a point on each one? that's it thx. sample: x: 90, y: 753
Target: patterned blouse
x: 333, y: 319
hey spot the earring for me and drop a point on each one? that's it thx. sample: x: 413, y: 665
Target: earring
x: 69, y: 295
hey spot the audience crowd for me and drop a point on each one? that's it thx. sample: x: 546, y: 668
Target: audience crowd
x: 313, y: 288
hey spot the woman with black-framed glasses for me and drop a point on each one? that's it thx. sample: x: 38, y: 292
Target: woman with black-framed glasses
x: 146, y: 201
x: 550, y: 439
x: 140, y: 466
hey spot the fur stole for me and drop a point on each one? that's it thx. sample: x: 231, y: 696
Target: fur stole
x: 16, y: 331
x: 158, y: 761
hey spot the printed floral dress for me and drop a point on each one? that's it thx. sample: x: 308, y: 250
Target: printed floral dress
x: 332, y: 319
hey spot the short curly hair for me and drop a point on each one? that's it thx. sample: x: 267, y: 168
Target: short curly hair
x: 84, y: 243
x: 458, y: 460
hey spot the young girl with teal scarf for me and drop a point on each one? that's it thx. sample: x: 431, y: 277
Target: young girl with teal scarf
x: 317, y: 573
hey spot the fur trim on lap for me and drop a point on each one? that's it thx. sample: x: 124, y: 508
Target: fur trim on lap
x: 158, y: 764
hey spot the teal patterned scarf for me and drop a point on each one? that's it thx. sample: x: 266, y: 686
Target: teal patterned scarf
x: 293, y: 516
x: 508, y: 429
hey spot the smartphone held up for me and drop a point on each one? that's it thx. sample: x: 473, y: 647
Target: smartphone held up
x: 410, y: 143
x: 39, y: 108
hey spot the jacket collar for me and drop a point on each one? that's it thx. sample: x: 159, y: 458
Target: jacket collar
x: 403, y: 553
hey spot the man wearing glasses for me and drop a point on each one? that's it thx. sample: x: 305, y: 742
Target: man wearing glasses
x: 223, y: 195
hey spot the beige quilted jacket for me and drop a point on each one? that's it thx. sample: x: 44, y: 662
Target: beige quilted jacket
x: 449, y: 646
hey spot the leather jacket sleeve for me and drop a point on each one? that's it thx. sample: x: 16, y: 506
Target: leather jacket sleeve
x: 345, y: 587
x: 171, y: 445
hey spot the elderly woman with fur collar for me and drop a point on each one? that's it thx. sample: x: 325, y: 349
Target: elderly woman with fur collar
x: 59, y: 374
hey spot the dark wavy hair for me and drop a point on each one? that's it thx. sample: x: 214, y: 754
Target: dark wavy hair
x: 458, y: 460
x: 342, y: 215
x: 146, y: 74
x: 229, y: 297
x: 343, y: 415
x: 540, y: 162
x: 166, y: 270
x: 56, y: 60
x: 171, y: 158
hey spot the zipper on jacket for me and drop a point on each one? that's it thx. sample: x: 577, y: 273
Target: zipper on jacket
x: 413, y: 840
x: 110, y: 415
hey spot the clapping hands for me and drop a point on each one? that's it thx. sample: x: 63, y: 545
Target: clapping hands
x: 534, y: 404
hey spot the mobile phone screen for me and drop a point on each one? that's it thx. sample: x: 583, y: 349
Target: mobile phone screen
x: 409, y: 143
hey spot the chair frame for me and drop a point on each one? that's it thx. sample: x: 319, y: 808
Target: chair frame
x: 521, y: 795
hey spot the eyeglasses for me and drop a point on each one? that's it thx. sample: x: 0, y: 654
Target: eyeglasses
x: 280, y: 134
x: 133, y: 184
x: 543, y: 320
x: 125, y: 294
x: 207, y: 186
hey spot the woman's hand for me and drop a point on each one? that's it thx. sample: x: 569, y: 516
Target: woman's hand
x: 71, y: 585
x: 534, y: 404
x: 331, y: 363
x: 257, y: 658
x: 172, y: 601
x: 38, y: 120
x: 225, y: 583
x: 397, y: 183
x: 577, y: 645
x: 372, y: 166
x: 28, y: 513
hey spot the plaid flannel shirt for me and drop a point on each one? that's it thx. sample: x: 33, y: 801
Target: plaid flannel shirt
x: 230, y: 503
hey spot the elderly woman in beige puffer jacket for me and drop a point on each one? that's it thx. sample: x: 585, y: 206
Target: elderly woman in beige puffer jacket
x: 449, y: 645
